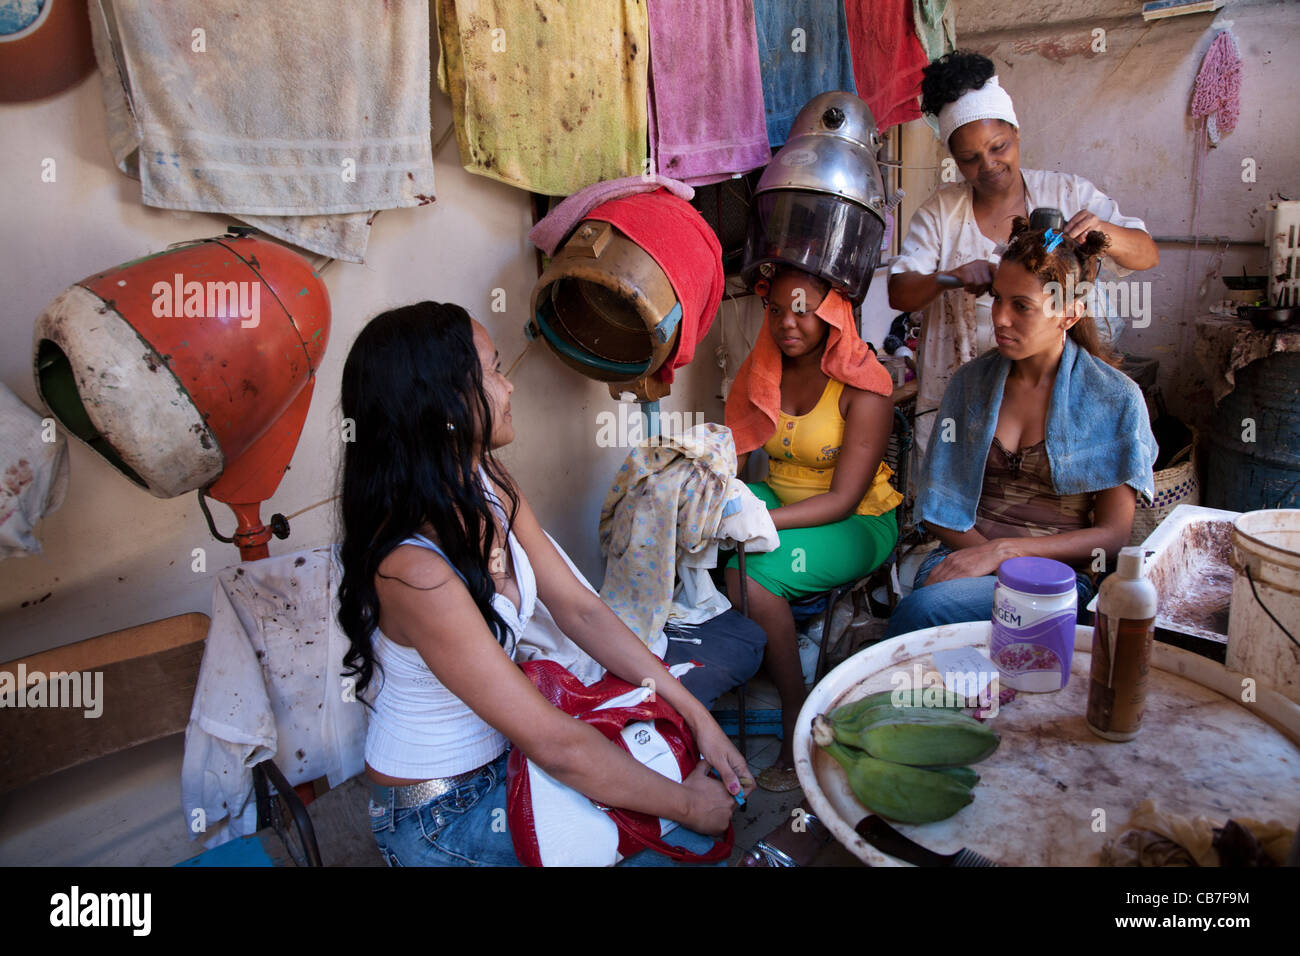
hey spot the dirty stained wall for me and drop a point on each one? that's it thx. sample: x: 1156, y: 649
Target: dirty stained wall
x: 114, y: 556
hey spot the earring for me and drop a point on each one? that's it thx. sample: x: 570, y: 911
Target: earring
x: 451, y: 427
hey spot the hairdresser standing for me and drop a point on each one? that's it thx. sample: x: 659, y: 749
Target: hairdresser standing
x: 956, y: 232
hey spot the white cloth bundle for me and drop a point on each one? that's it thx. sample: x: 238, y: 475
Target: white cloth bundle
x: 270, y: 685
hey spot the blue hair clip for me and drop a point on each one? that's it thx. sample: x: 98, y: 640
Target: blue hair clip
x: 1053, y: 239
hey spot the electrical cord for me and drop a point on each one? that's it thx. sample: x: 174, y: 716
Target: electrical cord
x: 1251, y: 579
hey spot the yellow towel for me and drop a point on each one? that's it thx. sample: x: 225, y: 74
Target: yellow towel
x: 549, y: 96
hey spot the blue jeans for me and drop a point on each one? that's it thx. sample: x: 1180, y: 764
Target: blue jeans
x: 951, y: 602
x: 467, y: 827
x: 729, y: 653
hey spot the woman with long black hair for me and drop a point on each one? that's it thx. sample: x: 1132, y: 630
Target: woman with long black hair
x: 444, y: 562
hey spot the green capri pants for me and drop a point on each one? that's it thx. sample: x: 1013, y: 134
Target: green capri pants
x: 811, y: 560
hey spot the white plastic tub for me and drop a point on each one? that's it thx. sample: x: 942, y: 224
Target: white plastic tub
x: 1189, y: 563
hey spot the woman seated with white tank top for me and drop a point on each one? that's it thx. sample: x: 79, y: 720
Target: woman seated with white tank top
x: 444, y: 563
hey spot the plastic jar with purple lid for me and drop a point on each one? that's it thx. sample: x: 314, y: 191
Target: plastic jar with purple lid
x: 1034, y: 613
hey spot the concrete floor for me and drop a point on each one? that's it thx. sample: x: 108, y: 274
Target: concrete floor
x: 765, y: 811
x: 124, y: 810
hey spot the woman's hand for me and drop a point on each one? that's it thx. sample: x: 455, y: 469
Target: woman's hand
x: 1082, y: 223
x: 711, y: 805
x: 974, y: 562
x: 976, y: 276
x: 719, y: 753
x: 1128, y: 248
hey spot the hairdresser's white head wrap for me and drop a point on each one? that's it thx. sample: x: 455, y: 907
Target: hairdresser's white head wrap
x: 990, y: 101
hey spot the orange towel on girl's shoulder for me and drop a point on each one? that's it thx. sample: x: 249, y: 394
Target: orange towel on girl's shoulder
x: 755, y: 397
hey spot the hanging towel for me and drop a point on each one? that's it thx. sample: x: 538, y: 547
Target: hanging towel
x: 252, y: 110
x: 33, y: 474
x: 554, y: 228
x: 803, y: 49
x: 936, y: 26
x: 549, y: 96
x: 681, y: 242
x: 705, y: 138
x: 887, y: 58
x: 755, y: 396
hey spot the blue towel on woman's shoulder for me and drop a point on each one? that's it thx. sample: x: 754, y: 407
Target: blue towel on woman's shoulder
x: 1098, y: 435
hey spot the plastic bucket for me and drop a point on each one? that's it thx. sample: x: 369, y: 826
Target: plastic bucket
x: 1266, y: 599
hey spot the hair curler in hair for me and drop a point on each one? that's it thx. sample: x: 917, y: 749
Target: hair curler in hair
x: 1045, y: 217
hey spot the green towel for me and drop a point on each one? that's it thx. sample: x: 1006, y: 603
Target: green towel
x: 549, y: 96
x: 935, y: 26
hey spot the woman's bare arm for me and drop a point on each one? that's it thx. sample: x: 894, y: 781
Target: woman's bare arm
x: 426, y: 606
x: 592, y: 625
x: 1113, y: 511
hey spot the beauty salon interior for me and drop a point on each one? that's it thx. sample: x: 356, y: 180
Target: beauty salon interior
x: 785, y: 389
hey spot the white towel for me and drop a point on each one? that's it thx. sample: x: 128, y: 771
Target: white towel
x: 270, y: 686
x: 265, y: 114
x: 696, y: 598
x: 33, y: 474
x: 751, y: 524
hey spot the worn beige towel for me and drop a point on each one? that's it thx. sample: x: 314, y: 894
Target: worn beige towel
x: 297, y: 110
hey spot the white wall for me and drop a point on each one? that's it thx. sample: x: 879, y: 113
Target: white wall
x: 1120, y: 118
x: 115, y: 556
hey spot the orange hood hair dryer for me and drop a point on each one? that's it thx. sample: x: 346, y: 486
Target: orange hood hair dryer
x: 191, y: 369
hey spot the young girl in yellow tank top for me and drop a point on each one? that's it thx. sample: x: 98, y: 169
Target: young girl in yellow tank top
x: 827, y: 490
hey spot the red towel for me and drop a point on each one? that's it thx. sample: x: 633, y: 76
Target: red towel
x: 755, y: 397
x: 678, y: 238
x: 887, y: 58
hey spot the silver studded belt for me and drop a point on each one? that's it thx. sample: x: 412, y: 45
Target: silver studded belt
x: 415, y: 794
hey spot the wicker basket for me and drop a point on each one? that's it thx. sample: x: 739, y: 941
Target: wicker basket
x: 1175, y: 485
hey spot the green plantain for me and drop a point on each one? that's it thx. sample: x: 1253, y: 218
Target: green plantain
x: 898, y: 792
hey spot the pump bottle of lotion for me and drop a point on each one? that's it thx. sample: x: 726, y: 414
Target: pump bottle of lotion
x: 1121, y: 650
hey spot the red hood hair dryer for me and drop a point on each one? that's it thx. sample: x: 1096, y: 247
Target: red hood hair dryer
x: 191, y: 369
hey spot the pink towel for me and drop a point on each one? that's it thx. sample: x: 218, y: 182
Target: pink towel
x: 706, y: 92
x: 556, y: 225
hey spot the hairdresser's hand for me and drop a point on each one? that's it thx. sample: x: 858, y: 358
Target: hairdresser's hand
x: 973, y: 562
x: 1082, y: 223
x: 720, y: 754
x: 976, y: 276
x: 711, y: 805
